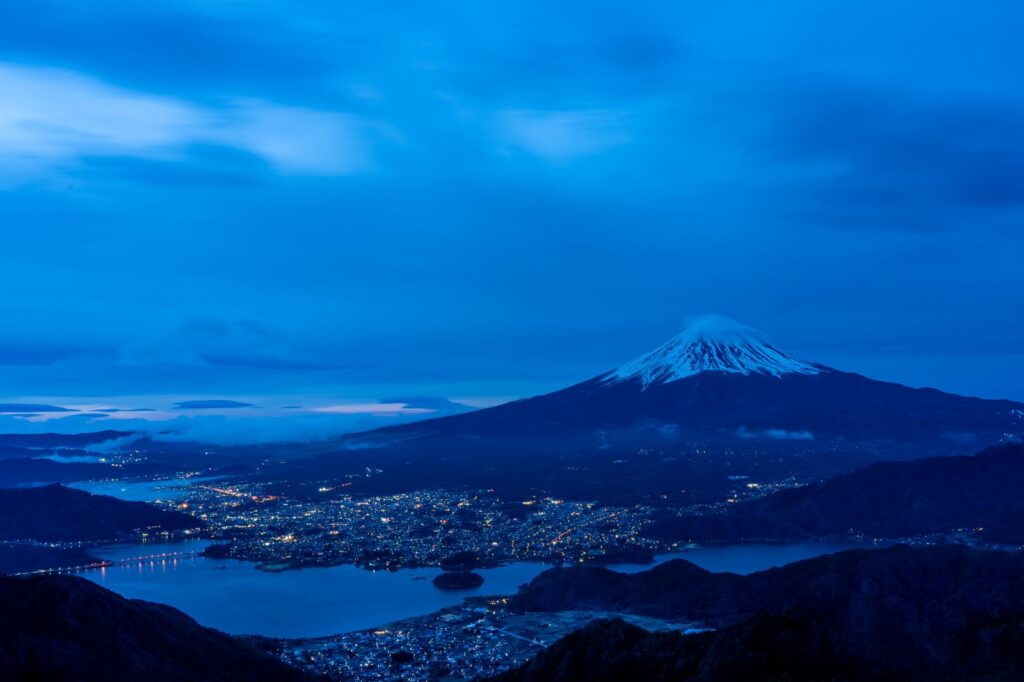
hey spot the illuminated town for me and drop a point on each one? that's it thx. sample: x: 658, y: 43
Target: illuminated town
x: 416, y: 529
x: 477, y: 638
x: 425, y: 527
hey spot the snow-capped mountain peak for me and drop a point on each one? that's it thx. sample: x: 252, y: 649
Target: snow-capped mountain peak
x: 711, y: 344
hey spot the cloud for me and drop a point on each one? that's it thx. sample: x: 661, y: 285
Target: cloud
x: 300, y: 141
x: 52, y: 116
x: 224, y: 430
x: 563, y: 135
x: 242, y: 428
x: 438, y: 404
x: 376, y: 409
x: 774, y: 434
x: 210, y: 405
x: 114, y: 444
x: 115, y: 410
x: 30, y: 407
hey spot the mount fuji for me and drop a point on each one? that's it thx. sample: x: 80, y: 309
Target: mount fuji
x: 711, y: 344
x: 721, y: 381
x: 718, y: 400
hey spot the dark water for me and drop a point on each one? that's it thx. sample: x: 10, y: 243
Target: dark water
x: 752, y: 557
x: 236, y: 597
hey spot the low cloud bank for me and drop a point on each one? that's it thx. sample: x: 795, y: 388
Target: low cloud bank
x: 210, y: 405
x: 774, y: 434
x: 25, y: 408
x: 241, y: 427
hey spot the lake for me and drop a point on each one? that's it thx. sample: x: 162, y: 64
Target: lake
x: 235, y: 597
x: 142, y: 491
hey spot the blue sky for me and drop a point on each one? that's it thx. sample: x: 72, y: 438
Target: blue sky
x: 321, y: 204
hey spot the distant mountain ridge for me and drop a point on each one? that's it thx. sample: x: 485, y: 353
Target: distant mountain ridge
x: 27, y: 446
x: 717, y: 388
x: 49, y: 441
x: 720, y: 382
x: 884, y: 500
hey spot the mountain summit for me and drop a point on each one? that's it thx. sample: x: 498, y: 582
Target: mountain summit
x: 714, y: 405
x: 711, y: 344
x: 720, y: 385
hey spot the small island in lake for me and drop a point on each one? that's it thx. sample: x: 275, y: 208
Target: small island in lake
x: 458, y: 580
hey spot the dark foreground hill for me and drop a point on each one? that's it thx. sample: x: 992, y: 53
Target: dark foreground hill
x: 765, y: 647
x: 55, y: 513
x: 938, y: 613
x: 884, y: 500
x: 26, y: 557
x: 65, y: 628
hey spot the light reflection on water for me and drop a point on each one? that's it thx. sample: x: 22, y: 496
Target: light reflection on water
x: 142, y: 491
x: 236, y: 597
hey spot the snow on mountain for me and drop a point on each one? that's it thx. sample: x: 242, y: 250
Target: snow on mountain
x: 711, y: 344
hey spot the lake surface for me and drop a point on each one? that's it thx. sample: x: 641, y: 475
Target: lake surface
x: 235, y: 597
x: 142, y: 491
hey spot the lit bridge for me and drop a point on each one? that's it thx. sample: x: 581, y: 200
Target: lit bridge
x: 119, y: 561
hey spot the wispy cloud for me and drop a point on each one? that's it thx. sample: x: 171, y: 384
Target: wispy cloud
x: 115, y: 410
x: 563, y: 135
x: 52, y: 116
x: 774, y: 434
x: 215, y: 427
x: 16, y: 408
x: 210, y: 405
x: 378, y: 409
